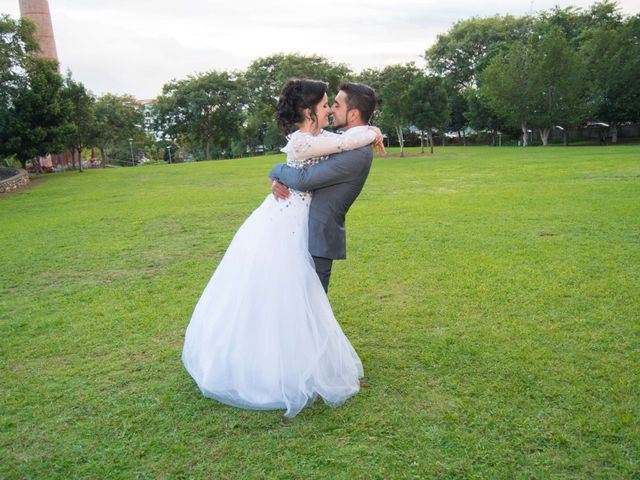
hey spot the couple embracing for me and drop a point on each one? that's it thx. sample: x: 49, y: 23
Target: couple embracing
x: 263, y: 335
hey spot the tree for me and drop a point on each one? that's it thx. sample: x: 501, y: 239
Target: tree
x: 480, y: 116
x: 575, y: 23
x: 371, y: 77
x: 264, y: 80
x: 83, y: 129
x: 509, y: 88
x: 118, y: 118
x: 395, y: 99
x: 560, y: 75
x: 429, y: 106
x: 457, y: 107
x: 461, y: 54
x: 538, y: 84
x: 612, y: 55
x: 604, y: 14
x: 37, y: 120
x: 206, y: 108
x: 555, y: 45
x: 16, y: 46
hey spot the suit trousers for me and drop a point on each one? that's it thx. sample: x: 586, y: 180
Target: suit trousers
x: 323, y: 269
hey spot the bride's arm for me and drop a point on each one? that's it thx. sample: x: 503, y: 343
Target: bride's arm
x: 345, y: 167
x: 303, y: 145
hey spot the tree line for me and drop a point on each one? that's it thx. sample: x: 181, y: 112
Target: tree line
x: 519, y: 75
x: 554, y: 70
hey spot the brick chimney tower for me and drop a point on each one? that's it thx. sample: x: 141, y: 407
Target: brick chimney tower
x: 38, y: 12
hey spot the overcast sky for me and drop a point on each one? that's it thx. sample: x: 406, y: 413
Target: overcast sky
x: 135, y: 46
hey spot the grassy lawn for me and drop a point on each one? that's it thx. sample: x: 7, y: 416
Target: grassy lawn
x: 492, y: 294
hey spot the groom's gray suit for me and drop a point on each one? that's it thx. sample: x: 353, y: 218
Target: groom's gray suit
x: 335, y: 183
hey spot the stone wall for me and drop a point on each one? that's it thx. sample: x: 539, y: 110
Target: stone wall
x: 12, y: 179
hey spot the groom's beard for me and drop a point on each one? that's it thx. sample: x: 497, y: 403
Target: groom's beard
x: 336, y: 127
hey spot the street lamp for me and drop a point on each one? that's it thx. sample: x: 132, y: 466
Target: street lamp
x: 131, y: 147
x: 169, y: 150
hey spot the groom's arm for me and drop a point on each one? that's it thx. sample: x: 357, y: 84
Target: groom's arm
x: 338, y: 168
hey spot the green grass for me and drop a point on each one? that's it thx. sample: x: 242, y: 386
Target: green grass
x: 492, y: 294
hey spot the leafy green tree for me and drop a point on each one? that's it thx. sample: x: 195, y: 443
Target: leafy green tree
x: 612, y: 56
x: 118, y: 118
x: 395, y: 99
x: 83, y: 126
x: 604, y: 14
x: 37, y: 121
x: 509, y: 88
x: 560, y: 73
x: 461, y: 54
x: 457, y: 121
x: 371, y: 77
x: 480, y: 116
x: 428, y: 106
x: 538, y: 84
x: 207, y: 108
x: 577, y: 24
x: 16, y: 46
x: 571, y: 21
x: 264, y: 80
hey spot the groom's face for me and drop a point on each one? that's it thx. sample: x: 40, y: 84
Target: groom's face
x: 339, y: 110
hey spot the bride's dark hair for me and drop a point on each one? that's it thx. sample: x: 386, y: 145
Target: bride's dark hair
x: 297, y: 95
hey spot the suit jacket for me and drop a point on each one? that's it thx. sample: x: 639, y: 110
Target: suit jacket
x: 335, y: 183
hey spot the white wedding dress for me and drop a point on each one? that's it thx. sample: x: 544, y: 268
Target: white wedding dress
x: 263, y: 335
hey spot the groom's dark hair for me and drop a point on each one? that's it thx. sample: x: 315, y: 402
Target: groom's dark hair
x: 360, y: 97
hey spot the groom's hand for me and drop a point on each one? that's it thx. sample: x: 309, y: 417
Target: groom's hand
x: 280, y: 191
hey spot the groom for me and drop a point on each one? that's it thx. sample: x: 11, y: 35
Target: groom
x: 335, y: 182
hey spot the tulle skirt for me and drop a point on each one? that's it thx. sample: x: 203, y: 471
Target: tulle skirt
x: 263, y: 335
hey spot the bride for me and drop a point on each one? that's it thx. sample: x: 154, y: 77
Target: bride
x: 263, y: 335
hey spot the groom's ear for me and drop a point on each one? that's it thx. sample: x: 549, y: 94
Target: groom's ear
x: 353, y: 116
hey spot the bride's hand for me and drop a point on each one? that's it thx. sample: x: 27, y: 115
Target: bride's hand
x: 378, y: 143
x: 280, y: 191
x: 377, y: 131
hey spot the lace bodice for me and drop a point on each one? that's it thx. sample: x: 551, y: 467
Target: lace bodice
x: 305, y: 149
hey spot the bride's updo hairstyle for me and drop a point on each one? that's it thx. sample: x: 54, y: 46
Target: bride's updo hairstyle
x: 297, y: 95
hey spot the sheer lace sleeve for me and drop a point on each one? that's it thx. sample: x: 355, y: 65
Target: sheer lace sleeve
x: 304, y: 145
